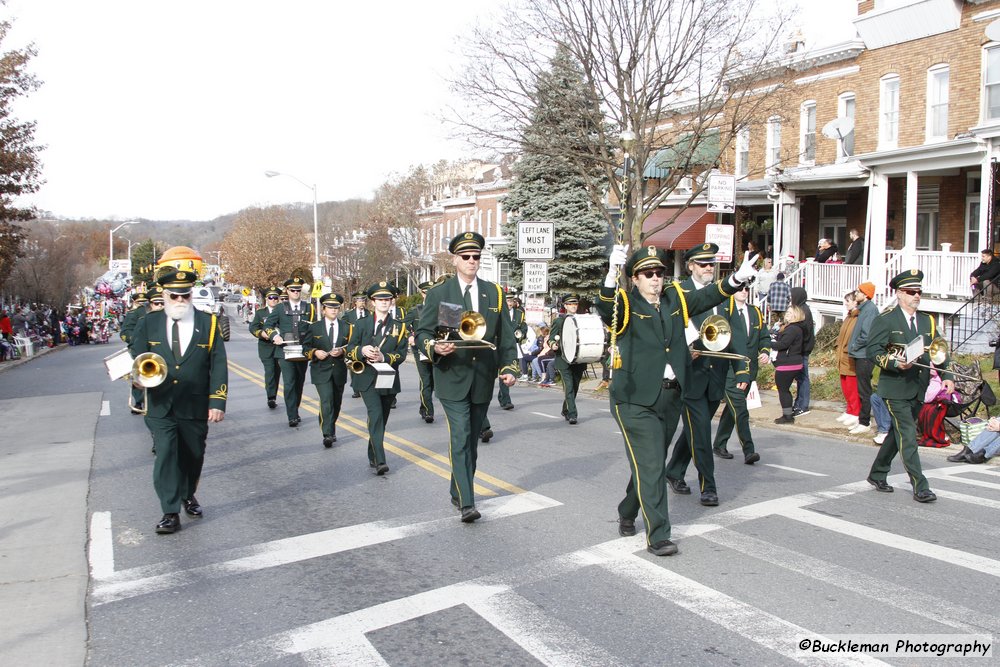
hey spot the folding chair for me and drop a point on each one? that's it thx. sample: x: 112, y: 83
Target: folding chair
x: 976, y: 395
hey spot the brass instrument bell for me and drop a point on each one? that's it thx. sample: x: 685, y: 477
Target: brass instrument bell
x: 148, y: 370
x: 715, y: 334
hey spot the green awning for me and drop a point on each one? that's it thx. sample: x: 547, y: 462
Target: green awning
x: 703, y: 154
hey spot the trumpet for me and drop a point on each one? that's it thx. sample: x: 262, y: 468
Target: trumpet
x: 356, y: 367
x: 715, y: 334
x: 938, y: 353
x: 471, y: 330
x: 148, y: 370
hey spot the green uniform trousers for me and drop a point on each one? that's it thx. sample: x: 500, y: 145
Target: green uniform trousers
x: 695, y: 442
x: 465, y: 423
x: 647, y: 431
x: 294, y: 374
x: 735, y: 413
x: 425, y: 372
x: 272, y: 374
x: 180, y: 454
x: 331, y: 396
x: 378, y: 406
x: 902, y: 439
x: 571, y: 379
x: 503, y: 395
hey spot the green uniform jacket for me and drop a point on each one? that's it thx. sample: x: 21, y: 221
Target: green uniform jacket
x: 750, y: 345
x: 393, y: 345
x: 351, y: 316
x: 893, y: 328
x: 265, y: 348
x: 196, y: 382
x: 520, y: 325
x: 320, y: 371
x: 128, y: 324
x: 279, y: 322
x: 649, y: 339
x: 469, y: 373
x: 708, y: 373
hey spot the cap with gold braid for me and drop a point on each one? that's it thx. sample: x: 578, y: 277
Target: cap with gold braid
x: 154, y: 294
x: 178, y: 281
x: 465, y: 242
x: 649, y: 257
x: 910, y: 279
x: 382, y: 290
x: 272, y: 291
x: 331, y: 299
x: 703, y: 254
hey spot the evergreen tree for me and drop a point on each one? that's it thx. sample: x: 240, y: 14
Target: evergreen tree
x: 549, y: 188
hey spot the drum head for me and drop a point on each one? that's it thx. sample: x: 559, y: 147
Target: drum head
x: 569, y: 344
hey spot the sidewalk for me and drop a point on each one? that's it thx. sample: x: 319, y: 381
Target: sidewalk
x: 8, y: 364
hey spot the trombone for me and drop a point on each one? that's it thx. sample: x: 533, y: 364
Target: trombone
x: 938, y: 353
x: 148, y: 370
x: 715, y: 334
x: 471, y: 330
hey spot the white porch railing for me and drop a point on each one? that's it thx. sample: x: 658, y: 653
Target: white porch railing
x: 946, y: 274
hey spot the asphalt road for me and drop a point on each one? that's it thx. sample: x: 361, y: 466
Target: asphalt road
x: 304, y: 556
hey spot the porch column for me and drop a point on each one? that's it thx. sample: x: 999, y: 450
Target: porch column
x: 910, y: 237
x: 878, y: 204
x: 790, y: 231
x: 985, y: 204
x: 679, y: 268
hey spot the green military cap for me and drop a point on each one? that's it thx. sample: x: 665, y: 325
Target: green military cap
x: 139, y: 297
x: 178, y: 281
x: 294, y: 281
x: 511, y: 294
x: 703, y: 254
x: 911, y: 279
x: 273, y: 290
x: 154, y: 294
x: 465, y: 242
x: 570, y: 299
x: 331, y: 299
x: 359, y: 295
x: 283, y: 296
x: 423, y: 287
x: 382, y: 290
x: 650, y: 257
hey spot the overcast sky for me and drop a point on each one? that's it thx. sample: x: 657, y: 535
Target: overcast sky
x: 174, y: 110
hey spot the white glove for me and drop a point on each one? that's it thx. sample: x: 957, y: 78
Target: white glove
x: 619, y: 255
x: 746, y: 270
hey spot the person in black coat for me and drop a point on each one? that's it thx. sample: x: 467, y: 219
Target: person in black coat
x: 787, y: 365
x: 826, y: 250
x: 799, y: 298
x: 855, y: 251
x: 987, y: 272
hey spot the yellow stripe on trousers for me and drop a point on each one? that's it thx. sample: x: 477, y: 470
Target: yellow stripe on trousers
x: 359, y: 427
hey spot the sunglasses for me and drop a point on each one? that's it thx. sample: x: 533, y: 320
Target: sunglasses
x: 470, y: 258
x: 704, y: 265
x: 272, y: 298
x: 648, y: 274
x: 912, y: 292
x: 179, y: 297
x: 294, y: 289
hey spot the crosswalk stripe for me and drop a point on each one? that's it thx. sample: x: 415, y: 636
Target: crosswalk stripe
x: 798, y: 470
x: 966, y: 498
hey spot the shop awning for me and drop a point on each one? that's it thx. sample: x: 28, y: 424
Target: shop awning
x: 686, y: 231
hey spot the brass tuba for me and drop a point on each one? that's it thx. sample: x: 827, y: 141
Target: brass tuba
x: 715, y: 334
x: 148, y: 370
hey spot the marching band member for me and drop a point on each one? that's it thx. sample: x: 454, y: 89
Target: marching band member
x: 324, y: 346
x: 571, y: 374
x: 268, y: 353
x: 291, y: 319
x: 424, y: 371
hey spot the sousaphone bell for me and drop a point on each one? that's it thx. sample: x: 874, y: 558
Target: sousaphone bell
x: 715, y: 334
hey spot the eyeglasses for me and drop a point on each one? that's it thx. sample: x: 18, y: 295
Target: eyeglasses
x: 912, y: 292
x: 179, y: 297
x: 470, y: 258
x: 704, y: 265
x: 272, y: 298
x: 649, y: 274
x: 294, y: 289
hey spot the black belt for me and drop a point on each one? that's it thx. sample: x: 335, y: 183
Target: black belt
x: 671, y: 384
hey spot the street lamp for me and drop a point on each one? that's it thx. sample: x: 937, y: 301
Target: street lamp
x: 111, y: 240
x: 317, y: 268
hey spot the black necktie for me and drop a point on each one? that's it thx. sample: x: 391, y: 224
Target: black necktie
x: 175, y: 343
x: 467, y: 297
x: 379, y: 328
x: 913, y: 326
x: 329, y: 333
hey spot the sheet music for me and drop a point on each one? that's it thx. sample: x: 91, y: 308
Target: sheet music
x: 914, y: 349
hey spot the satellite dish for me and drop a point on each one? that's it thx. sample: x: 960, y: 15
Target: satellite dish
x: 838, y: 128
x: 993, y: 31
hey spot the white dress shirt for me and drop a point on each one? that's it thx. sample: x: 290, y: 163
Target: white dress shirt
x: 185, y: 327
x: 473, y: 293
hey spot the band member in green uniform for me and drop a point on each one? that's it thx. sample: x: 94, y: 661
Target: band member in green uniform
x: 133, y: 316
x: 377, y: 339
x: 901, y: 384
x: 703, y: 392
x: 325, y: 347
x: 464, y: 376
x: 520, y: 326
x: 424, y: 371
x: 193, y: 394
x: 288, y: 324
x: 355, y: 314
x: 571, y: 374
x: 655, y: 363
x: 751, y: 339
x: 268, y: 353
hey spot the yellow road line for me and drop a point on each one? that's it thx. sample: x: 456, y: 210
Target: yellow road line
x: 445, y: 473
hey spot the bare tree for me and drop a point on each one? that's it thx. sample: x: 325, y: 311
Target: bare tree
x: 682, y: 76
x: 264, y: 245
x: 50, y: 269
x: 395, y: 208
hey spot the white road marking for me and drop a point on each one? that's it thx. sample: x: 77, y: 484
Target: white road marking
x: 987, y: 471
x: 804, y: 472
x: 101, y: 550
x: 542, y: 414
x: 887, y: 539
x: 150, y: 579
x: 966, y: 498
x: 105, y: 408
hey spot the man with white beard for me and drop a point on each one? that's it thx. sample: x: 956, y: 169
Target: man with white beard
x: 193, y: 393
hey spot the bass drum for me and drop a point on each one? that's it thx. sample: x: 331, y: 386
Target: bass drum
x: 582, y: 340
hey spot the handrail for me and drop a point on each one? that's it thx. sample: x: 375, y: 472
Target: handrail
x: 976, y: 313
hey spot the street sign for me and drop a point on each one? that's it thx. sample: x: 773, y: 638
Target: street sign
x: 721, y: 193
x: 721, y: 235
x: 317, y: 290
x: 536, y: 241
x: 117, y: 266
x: 536, y: 277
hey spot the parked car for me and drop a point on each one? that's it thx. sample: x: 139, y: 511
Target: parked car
x: 205, y: 298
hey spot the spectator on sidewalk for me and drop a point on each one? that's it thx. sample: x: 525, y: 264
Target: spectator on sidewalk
x: 765, y: 277
x: 983, y: 447
x: 779, y: 297
x: 880, y: 413
x: 858, y: 349
x: 845, y: 363
x: 788, y: 363
x: 800, y: 299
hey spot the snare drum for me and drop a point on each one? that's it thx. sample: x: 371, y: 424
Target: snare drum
x: 582, y: 340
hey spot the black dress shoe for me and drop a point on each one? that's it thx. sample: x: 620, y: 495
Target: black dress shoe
x: 925, y: 496
x: 486, y: 435
x: 271, y: 403
x: 881, y: 485
x: 429, y: 419
x: 393, y: 406
x: 192, y: 507
x: 371, y: 464
x: 294, y: 422
x: 662, y: 548
x: 328, y: 441
x: 751, y: 458
x: 709, y: 498
x: 381, y: 469
x: 572, y: 420
x: 976, y: 457
x: 470, y: 514
x: 785, y: 419
x: 507, y: 406
x: 961, y: 456
x: 356, y: 394
x: 626, y: 527
x: 679, y: 486
x: 722, y: 453
x: 170, y: 523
